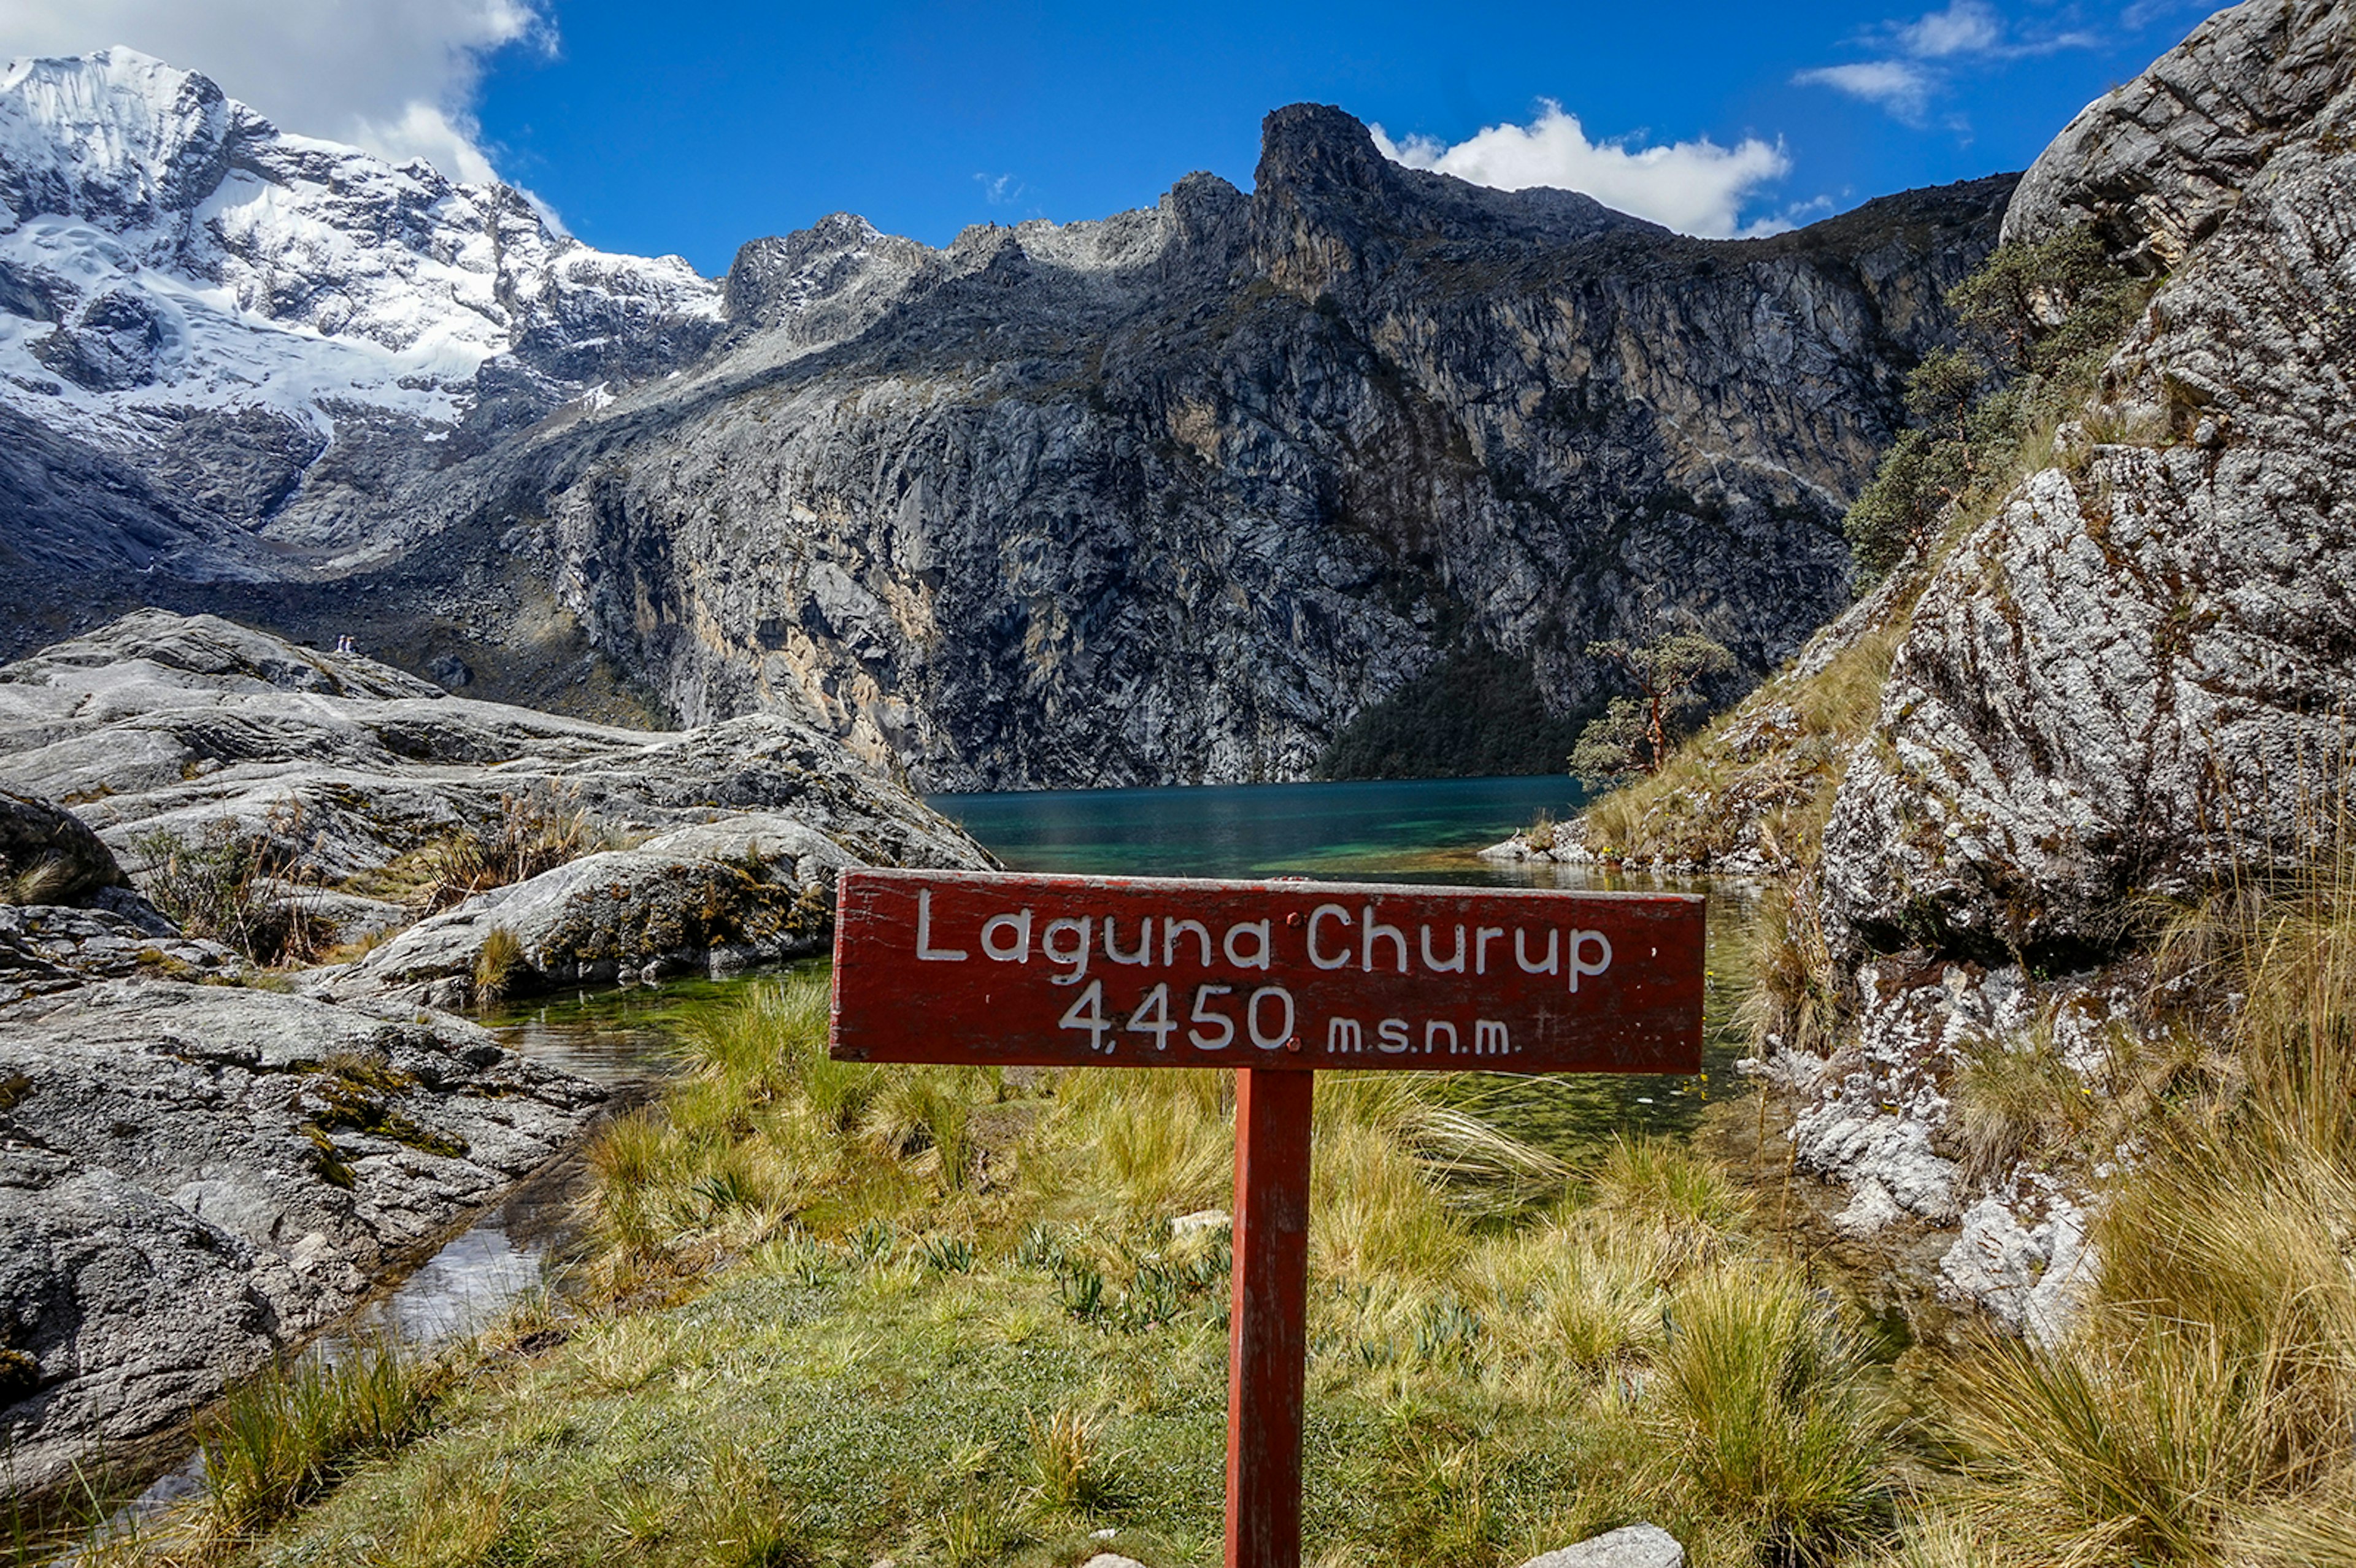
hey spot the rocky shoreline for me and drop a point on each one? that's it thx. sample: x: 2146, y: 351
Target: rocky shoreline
x: 206, y: 1158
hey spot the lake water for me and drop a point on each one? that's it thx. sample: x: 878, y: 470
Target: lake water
x: 1393, y: 831
x: 1398, y: 830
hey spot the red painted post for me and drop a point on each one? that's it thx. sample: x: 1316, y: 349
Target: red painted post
x: 1268, y: 1349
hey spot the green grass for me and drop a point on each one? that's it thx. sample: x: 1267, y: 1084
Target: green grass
x: 844, y: 1312
x: 281, y: 1438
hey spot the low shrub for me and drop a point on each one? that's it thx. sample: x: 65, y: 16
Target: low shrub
x: 535, y: 830
x: 250, y: 889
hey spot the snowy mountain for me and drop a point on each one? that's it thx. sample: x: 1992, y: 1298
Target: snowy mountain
x: 186, y: 288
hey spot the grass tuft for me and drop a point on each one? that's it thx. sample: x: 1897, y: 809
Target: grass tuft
x: 280, y: 1439
x: 2198, y: 1413
x: 496, y: 964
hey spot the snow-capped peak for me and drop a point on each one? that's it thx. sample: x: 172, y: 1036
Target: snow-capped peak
x: 166, y: 249
x: 116, y: 135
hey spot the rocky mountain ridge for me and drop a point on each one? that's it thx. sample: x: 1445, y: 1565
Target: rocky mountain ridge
x: 1184, y: 494
x: 1179, y: 495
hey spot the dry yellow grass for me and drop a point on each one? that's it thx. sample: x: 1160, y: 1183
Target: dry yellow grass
x: 2200, y: 1412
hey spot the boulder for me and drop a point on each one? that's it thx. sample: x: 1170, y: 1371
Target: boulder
x: 48, y: 948
x: 709, y: 899
x: 2154, y: 166
x: 198, y: 1176
x: 1635, y: 1546
x: 47, y: 856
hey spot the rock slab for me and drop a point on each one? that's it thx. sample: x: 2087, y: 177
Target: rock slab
x: 1635, y: 1546
x: 166, y: 729
x: 2135, y: 676
x: 193, y: 1177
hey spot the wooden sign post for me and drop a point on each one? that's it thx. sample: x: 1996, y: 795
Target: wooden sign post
x: 1274, y: 979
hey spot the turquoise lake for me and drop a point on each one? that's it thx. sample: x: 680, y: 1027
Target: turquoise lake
x: 1415, y: 830
x: 1409, y: 829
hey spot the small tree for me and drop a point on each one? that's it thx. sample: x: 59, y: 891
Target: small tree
x: 1635, y: 734
x: 2033, y: 323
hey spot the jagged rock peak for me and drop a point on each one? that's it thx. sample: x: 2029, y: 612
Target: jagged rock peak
x: 1313, y: 146
x: 781, y: 275
x: 1322, y: 183
x: 2155, y: 165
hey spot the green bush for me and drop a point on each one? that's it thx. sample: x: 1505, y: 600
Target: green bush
x: 2036, y: 322
x: 242, y: 888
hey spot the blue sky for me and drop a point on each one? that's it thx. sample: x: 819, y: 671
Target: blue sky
x: 730, y: 120
x: 694, y: 125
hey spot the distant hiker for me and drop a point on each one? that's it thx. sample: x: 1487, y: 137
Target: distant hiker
x: 344, y: 644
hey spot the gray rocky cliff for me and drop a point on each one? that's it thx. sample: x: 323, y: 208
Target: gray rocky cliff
x: 2154, y: 166
x: 1179, y: 495
x: 2118, y: 686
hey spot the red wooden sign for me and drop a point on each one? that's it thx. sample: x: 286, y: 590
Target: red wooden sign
x: 1140, y: 972
x: 1274, y: 979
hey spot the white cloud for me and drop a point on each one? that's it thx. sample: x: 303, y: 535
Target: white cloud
x: 424, y: 131
x: 1695, y: 187
x: 1964, y: 27
x: 397, y: 77
x: 1000, y: 190
x: 1968, y: 32
x: 1899, y: 86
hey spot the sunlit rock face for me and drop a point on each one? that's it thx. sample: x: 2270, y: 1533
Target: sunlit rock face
x: 2136, y: 674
